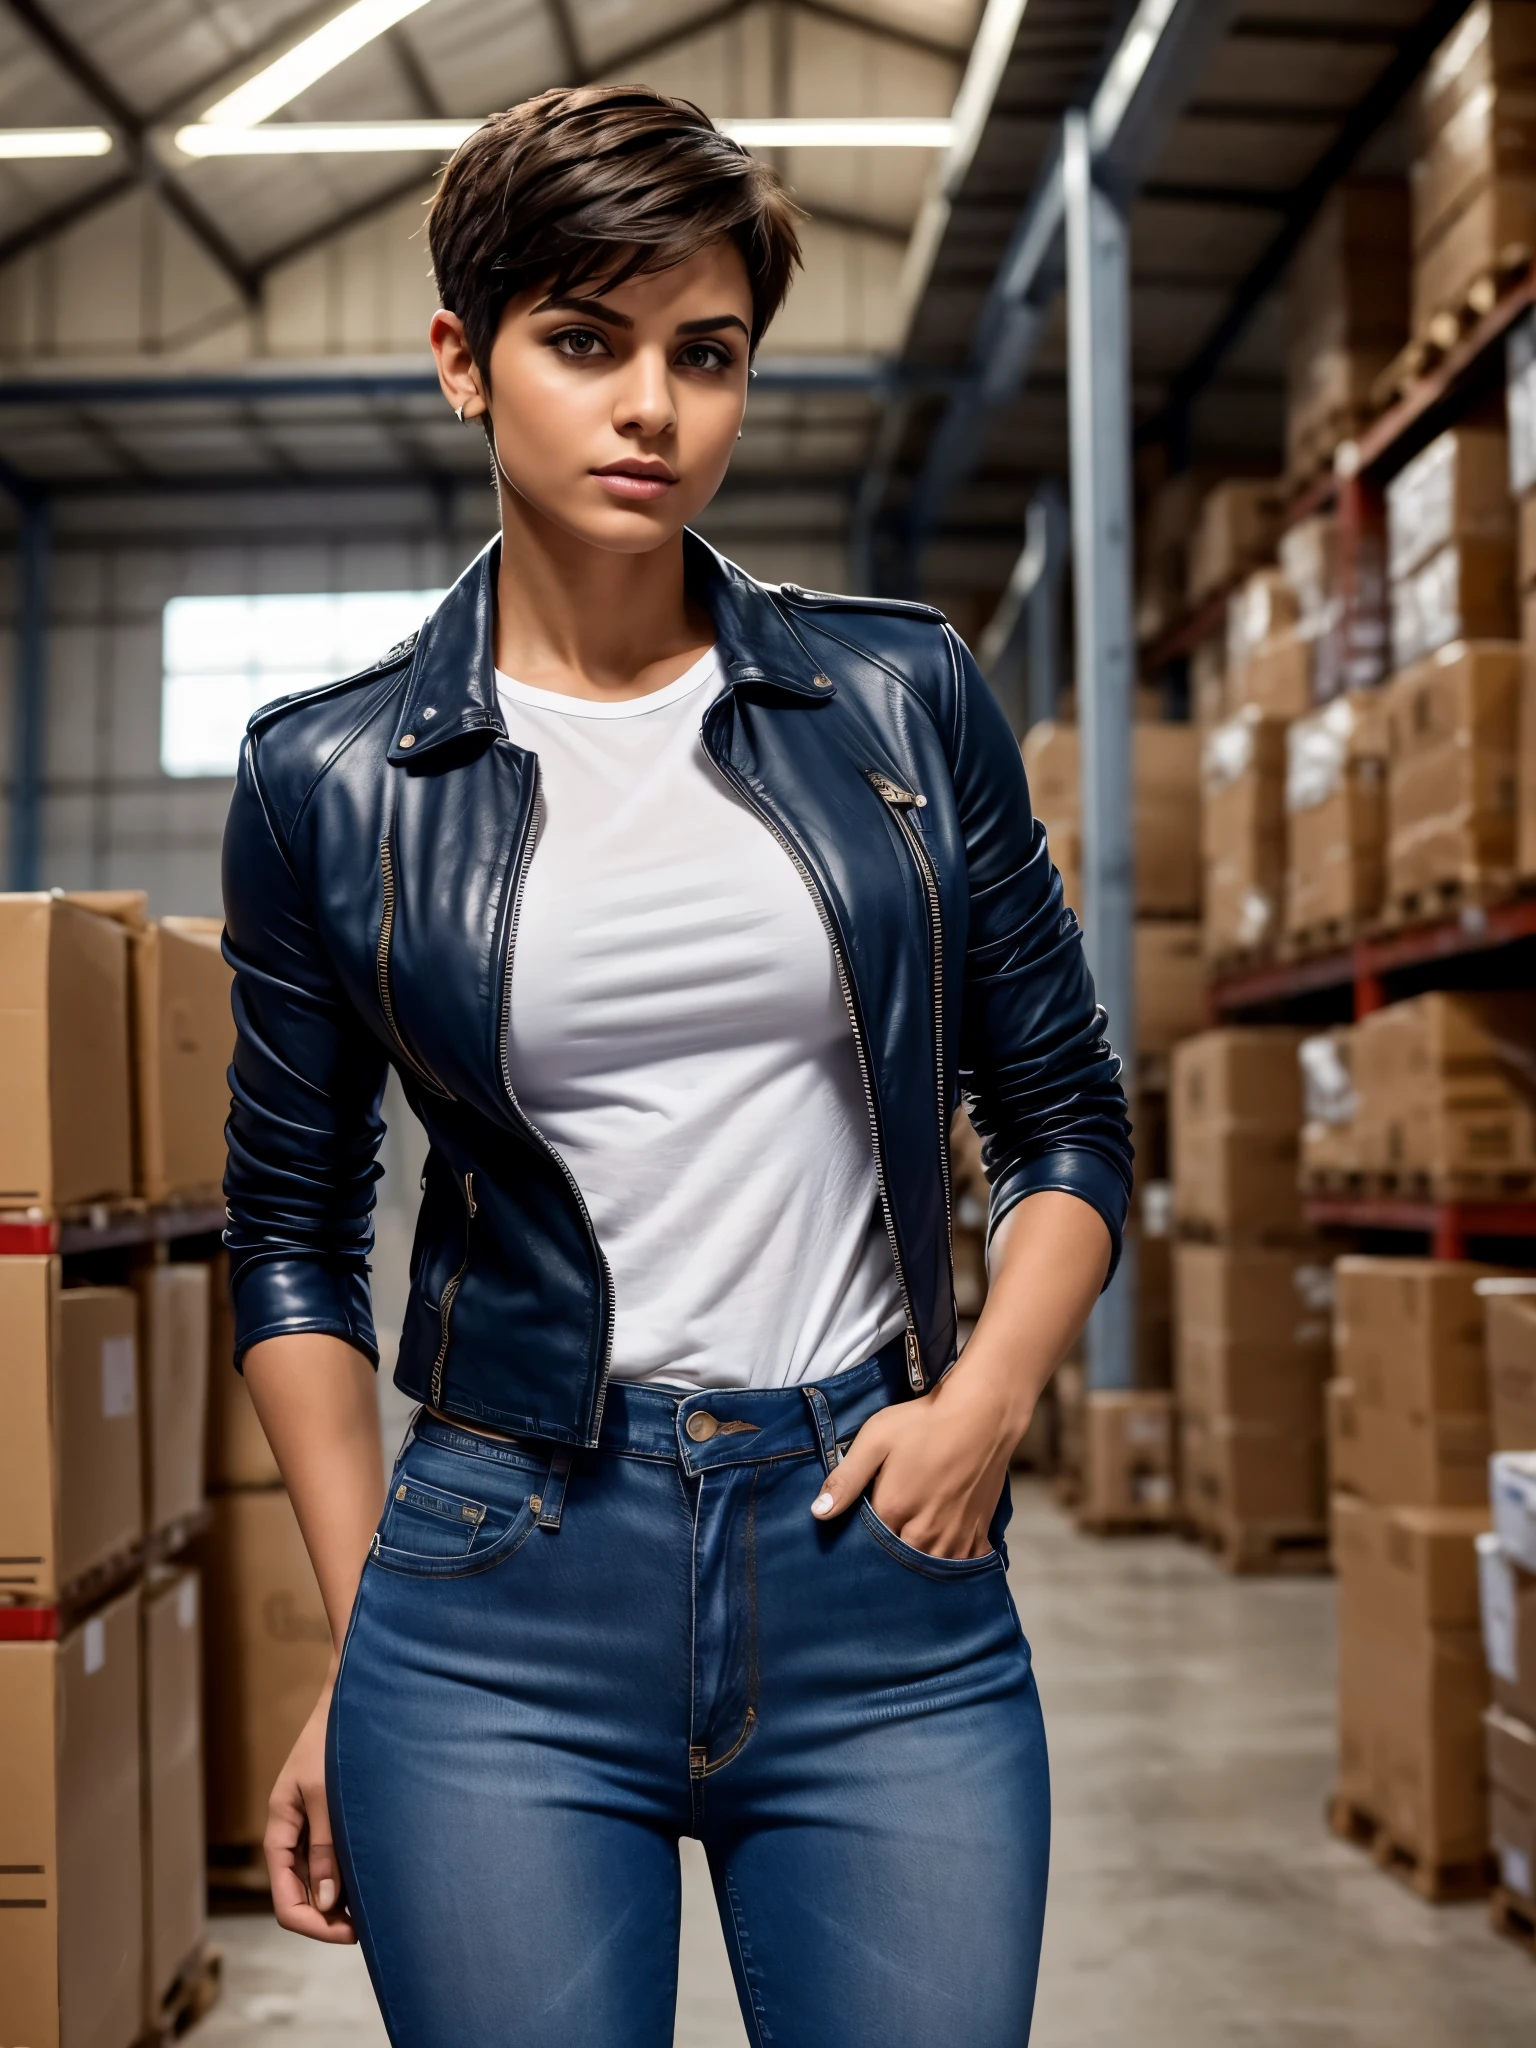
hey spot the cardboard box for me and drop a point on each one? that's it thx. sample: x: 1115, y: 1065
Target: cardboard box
x: 1263, y: 606
x: 238, y: 1451
x: 1490, y: 135
x: 1128, y: 1474
x: 65, y: 1135
x: 1452, y: 734
x: 1525, y: 546
x: 1493, y: 44
x: 1239, y: 1475
x: 174, y: 1321
x: 1490, y: 233
x: 1336, y: 815
x: 1507, y: 1601
x: 1456, y: 489
x: 1276, y: 679
x: 1525, y: 740
x: 268, y: 1652
x: 1509, y: 1330
x: 72, y: 1950
x: 1166, y: 796
x: 1235, y: 1132
x: 184, y: 1040
x: 1512, y: 1491
x: 1236, y: 531
x: 1242, y: 833
x: 175, y: 1889
x: 1466, y: 591
x: 1343, y: 1436
x: 1170, y: 982
x: 1408, y: 1333
x: 70, y: 1481
x: 1330, y: 1148
x: 1347, y: 307
x: 1253, y: 1335
x: 1511, y: 1754
x: 1412, y: 1681
x: 1208, y: 683
x: 1444, y: 1091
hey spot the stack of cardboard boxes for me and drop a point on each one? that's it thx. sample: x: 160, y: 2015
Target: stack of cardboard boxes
x: 1426, y: 1098
x: 1474, y: 169
x: 1507, y: 1580
x: 104, y: 1371
x: 1252, y: 1298
x: 1116, y: 1450
x: 1521, y: 406
x: 1409, y: 1443
x: 269, y: 1643
x: 1335, y: 822
x: 1348, y: 307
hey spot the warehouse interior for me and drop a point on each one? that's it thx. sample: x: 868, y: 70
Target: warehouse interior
x: 1183, y: 352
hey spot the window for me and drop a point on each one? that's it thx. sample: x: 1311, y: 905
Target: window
x: 224, y: 657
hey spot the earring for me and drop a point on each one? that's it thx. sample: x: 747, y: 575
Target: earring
x: 458, y: 413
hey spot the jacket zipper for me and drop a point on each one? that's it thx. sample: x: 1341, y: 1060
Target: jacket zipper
x: 845, y: 982
x: 445, y: 1306
x: 524, y: 860
x: 381, y: 964
x: 902, y: 803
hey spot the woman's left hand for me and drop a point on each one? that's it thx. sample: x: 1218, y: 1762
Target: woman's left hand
x: 934, y: 1467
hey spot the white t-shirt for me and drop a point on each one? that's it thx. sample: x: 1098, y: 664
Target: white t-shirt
x: 678, y: 1034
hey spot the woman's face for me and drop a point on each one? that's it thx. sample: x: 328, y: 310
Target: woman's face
x: 615, y: 409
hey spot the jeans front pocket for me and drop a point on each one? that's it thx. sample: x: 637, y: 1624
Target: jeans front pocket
x: 432, y: 1527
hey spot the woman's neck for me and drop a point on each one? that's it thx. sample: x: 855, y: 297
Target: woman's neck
x: 589, y: 622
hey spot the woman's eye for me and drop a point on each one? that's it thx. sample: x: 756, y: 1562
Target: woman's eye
x: 704, y: 355
x: 580, y: 343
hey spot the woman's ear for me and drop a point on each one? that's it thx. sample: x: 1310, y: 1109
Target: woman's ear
x: 457, y: 375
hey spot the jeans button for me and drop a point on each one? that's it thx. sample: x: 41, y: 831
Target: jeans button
x: 701, y: 1425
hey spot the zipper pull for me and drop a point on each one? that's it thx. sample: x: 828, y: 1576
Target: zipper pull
x: 902, y: 799
x: 469, y: 1193
x: 914, y: 1362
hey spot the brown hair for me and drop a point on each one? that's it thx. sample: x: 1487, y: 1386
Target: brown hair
x: 590, y: 185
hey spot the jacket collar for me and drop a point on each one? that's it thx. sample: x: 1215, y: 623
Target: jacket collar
x: 451, y: 686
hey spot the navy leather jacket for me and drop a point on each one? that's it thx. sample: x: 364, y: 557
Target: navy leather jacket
x: 373, y: 866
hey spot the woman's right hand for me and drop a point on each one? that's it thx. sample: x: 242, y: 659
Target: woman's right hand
x: 301, y: 1857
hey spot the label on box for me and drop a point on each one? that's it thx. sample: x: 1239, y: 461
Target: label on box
x: 1515, y: 1871
x: 1512, y: 1486
x: 1152, y: 1489
x: 186, y: 1603
x: 117, y: 1377
x: 1496, y: 1598
x: 95, y: 1646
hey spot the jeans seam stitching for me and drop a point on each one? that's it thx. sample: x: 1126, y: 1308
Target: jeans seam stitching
x: 744, y: 1953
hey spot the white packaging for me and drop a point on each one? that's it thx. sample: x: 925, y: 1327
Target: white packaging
x: 1520, y: 395
x: 1496, y: 1599
x: 1419, y: 506
x: 1329, y: 1095
x: 1512, y: 1495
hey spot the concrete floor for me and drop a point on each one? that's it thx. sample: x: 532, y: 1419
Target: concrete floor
x: 1196, y: 1899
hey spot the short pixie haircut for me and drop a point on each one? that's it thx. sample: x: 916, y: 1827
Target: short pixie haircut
x: 587, y: 186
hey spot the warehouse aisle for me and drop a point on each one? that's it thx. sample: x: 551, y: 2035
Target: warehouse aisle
x: 1196, y: 1898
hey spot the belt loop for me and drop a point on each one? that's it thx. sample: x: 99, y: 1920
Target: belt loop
x: 554, y: 1492
x: 826, y: 1431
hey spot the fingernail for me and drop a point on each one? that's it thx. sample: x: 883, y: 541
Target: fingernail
x: 823, y: 1504
x: 326, y: 1895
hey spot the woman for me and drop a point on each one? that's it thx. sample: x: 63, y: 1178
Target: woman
x: 685, y: 908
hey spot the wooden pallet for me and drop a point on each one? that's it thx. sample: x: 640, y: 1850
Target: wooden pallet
x: 1515, y: 1186
x: 103, y: 1581
x: 1251, y: 1550
x: 1347, y: 1181
x: 1445, y: 328
x: 1314, y: 941
x: 1439, y: 1883
x: 1457, y: 896
x: 1238, y: 960
x: 1514, y: 1918
x: 191, y: 1998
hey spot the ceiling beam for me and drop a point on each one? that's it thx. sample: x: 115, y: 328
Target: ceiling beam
x: 572, y: 62
x: 133, y: 131
x: 884, y: 31
x: 1379, y: 102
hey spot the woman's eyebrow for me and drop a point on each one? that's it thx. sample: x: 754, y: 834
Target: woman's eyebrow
x: 709, y: 326
x: 595, y: 307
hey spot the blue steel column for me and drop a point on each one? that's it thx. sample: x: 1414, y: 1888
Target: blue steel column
x: 30, y: 688
x: 1099, y: 409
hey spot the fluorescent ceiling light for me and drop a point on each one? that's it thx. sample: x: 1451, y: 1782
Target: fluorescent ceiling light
x: 289, y: 75
x: 16, y: 142
x: 328, y: 138
x: 877, y: 132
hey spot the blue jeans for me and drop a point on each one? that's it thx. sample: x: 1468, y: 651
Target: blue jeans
x: 560, y: 1663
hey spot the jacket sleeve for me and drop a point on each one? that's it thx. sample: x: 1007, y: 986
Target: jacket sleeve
x: 1036, y: 1067
x: 306, y: 1085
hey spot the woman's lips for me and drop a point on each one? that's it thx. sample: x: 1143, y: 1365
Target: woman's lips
x: 635, y: 485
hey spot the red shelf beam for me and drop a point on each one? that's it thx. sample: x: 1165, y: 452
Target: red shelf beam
x: 1448, y: 1225
x: 34, y: 1236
